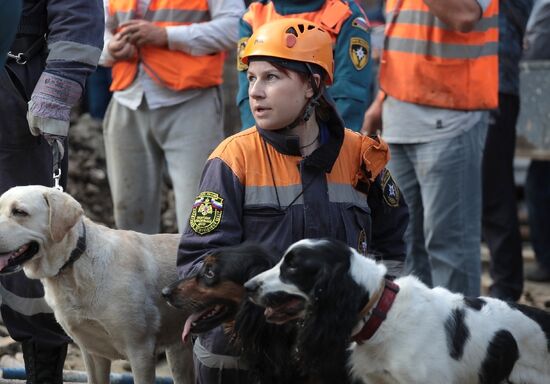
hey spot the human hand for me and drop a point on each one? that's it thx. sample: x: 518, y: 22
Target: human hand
x: 120, y: 48
x: 141, y: 32
x: 372, y: 122
x: 50, y: 107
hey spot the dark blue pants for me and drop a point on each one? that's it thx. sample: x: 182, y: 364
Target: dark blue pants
x: 500, y: 225
x: 97, y: 94
x: 537, y: 196
x: 24, y: 160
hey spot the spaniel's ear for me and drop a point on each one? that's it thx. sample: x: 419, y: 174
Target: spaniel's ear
x: 328, y: 324
x: 250, y: 326
x: 64, y: 213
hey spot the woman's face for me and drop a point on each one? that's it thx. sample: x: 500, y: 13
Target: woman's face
x: 276, y: 97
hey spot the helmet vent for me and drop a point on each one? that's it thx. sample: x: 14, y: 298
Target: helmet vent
x: 292, y: 31
x: 310, y: 27
x: 301, y: 28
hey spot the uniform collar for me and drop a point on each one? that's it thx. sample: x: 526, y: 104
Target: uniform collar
x: 324, y: 157
x: 297, y: 6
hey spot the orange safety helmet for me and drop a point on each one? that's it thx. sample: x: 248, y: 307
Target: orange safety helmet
x: 293, y: 39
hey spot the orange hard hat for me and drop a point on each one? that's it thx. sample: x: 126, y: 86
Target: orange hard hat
x: 292, y: 39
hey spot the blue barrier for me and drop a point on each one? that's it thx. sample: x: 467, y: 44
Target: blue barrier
x: 79, y: 377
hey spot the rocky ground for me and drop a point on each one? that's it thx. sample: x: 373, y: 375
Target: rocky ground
x: 88, y: 184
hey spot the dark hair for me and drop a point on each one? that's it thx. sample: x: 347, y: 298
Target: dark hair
x: 285, y: 65
x: 286, y: 70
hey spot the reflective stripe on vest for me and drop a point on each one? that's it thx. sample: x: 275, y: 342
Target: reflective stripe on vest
x: 425, y: 62
x: 331, y: 16
x: 161, y: 64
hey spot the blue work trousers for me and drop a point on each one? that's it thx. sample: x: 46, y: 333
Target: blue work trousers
x: 441, y: 183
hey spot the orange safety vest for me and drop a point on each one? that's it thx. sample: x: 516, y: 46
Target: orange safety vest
x: 331, y: 16
x: 176, y: 70
x: 425, y: 62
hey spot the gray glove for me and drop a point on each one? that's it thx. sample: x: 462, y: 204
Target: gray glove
x: 50, y: 107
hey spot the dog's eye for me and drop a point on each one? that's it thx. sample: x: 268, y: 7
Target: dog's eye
x: 290, y: 266
x: 209, y: 273
x: 19, y: 212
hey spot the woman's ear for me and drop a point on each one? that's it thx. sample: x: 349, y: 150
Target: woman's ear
x: 310, y: 92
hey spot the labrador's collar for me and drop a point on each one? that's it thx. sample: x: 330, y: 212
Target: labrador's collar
x: 77, y: 251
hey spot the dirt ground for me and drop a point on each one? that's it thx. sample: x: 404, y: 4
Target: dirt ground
x: 89, y: 185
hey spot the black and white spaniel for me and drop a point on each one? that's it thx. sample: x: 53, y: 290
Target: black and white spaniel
x: 399, y: 332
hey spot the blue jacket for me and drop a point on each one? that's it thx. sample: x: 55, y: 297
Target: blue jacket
x: 352, y: 87
x: 538, y: 33
x: 74, y: 34
x: 513, y: 16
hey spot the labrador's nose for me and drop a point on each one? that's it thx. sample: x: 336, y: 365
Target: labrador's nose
x: 166, y: 292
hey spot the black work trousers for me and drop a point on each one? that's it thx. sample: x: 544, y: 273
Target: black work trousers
x: 500, y: 225
x: 24, y: 160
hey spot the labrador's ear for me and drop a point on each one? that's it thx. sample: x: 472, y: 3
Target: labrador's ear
x: 64, y: 213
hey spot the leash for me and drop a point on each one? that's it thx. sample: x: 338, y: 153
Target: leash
x: 57, y: 156
x: 26, y: 51
x: 378, y: 314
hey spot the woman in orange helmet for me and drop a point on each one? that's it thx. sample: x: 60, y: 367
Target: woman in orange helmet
x: 297, y: 174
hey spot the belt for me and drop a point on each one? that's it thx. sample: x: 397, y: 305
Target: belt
x: 26, y: 47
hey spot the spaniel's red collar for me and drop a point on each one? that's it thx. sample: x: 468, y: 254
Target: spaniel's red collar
x: 378, y: 314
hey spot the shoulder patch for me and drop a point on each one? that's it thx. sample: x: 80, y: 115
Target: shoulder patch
x: 359, y: 52
x: 361, y: 23
x: 390, y: 191
x: 207, y: 212
x: 241, y: 67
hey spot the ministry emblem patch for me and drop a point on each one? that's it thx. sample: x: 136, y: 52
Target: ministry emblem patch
x: 241, y: 45
x: 390, y: 191
x: 359, y: 52
x: 207, y: 212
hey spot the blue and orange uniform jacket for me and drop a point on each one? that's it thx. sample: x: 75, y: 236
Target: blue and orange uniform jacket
x: 257, y: 187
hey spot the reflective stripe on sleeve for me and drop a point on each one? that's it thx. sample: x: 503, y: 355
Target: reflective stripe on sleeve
x: 23, y: 305
x: 72, y: 51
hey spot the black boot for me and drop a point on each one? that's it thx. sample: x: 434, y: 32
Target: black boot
x: 43, y: 364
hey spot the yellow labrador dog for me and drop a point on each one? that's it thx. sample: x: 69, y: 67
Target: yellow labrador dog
x: 104, y: 285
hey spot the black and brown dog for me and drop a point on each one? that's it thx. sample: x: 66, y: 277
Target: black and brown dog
x: 215, y: 295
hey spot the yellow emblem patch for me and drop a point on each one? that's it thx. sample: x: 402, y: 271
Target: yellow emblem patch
x: 390, y: 191
x: 207, y: 212
x: 359, y: 52
x: 241, y: 67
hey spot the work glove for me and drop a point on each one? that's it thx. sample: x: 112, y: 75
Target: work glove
x: 50, y: 108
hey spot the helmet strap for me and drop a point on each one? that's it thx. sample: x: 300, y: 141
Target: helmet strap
x: 312, y: 103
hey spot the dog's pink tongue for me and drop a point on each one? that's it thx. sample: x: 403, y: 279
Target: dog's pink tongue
x: 269, y: 311
x: 4, y: 260
x: 187, y: 327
